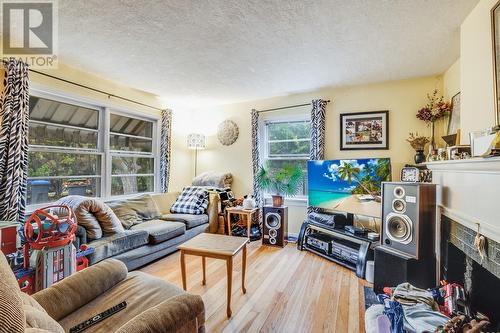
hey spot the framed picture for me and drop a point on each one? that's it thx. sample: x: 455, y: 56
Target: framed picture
x: 454, y: 119
x: 364, y: 130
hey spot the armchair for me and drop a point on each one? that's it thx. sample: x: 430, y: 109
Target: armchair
x: 153, y: 305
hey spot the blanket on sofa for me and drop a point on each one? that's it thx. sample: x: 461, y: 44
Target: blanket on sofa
x: 215, y: 179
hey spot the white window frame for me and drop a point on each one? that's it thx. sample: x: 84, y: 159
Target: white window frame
x: 103, y: 138
x: 299, y: 199
x: 155, y: 151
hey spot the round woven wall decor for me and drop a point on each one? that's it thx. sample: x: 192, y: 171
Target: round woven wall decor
x: 227, y: 132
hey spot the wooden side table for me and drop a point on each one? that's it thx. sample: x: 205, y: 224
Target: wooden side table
x: 218, y: 247
x: 244, y: 213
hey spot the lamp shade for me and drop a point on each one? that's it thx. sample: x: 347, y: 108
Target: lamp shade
x: 196, y: 141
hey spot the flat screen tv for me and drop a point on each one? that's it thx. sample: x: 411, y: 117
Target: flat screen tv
x: 351, y: 186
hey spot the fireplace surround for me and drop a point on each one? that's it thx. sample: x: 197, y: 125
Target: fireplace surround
x: 468, y: 197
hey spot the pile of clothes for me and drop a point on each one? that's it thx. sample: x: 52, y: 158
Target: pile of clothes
x: 406, y: 309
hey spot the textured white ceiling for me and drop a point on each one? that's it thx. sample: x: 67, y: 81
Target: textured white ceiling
x: 207, y: 52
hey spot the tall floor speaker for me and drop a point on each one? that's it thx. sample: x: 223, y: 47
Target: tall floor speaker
x: 407, y: 252
x: 275, y: 226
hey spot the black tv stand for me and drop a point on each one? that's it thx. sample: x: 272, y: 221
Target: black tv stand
x: 350, y: 219
x: 348, y: 250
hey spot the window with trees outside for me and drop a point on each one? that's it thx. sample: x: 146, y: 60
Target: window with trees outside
x: 132, y: 158
x: 287, y: 142
x: 79, y: 149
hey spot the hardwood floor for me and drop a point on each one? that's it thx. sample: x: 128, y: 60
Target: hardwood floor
x: 287, y: 291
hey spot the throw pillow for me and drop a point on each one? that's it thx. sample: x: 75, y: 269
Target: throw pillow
x: 83, y: 218
x: 109, y: 222
x: 192, y: 200
x: 135, y: 210
x: 93, y: 214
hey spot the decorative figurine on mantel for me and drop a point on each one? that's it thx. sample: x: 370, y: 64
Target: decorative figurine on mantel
x: 418, y: 143
x: 434, y: 110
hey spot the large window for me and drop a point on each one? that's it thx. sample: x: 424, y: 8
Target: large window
x: 287, y: 142
x: 131, y: 145
x: 77, y: 149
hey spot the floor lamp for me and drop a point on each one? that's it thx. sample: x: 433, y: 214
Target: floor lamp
x: 196, y: 141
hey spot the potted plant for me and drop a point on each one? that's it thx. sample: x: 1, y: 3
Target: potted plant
x: 418, y: 143
x: 280, y: 181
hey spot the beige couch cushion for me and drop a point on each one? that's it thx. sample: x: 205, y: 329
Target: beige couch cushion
x: 139, y: 290
x: 39, y: 319
x: 183, y: 313
x: 135, y: 210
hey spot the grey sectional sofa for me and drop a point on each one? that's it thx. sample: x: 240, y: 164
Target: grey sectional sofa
x: 150, y: 230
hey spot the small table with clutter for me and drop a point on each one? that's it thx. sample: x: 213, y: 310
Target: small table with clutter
x: 246, y: 214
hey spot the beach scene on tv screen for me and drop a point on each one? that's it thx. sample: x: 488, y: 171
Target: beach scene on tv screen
x: 353, y: 185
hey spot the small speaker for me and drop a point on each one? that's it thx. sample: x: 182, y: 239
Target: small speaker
x: 409, y: 218
x: 275, y: 226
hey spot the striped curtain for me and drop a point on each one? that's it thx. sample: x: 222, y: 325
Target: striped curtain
x: 256, y: 157
x: 165, y: 149
x: 317, y: 150
x: 14, y: 116
x: 318, y: 129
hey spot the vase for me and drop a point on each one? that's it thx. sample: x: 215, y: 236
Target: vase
x: 277, y: 200
x: 433, y: 143
x: 419, y: 156
x: 433, y: 155
x: 432, y: 146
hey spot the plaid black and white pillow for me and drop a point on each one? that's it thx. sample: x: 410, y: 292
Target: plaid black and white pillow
x: 192, y: 200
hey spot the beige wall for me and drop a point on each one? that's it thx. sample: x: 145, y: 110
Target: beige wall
x: 476, y: 69
x: 451, y: 81
x: 401, y: 98
x: 180, y: 155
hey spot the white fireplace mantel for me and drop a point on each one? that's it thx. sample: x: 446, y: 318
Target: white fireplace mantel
x: 470, y: 192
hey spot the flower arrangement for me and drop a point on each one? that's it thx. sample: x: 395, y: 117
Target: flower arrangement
x: 435, y: 109
x: 417, y: 142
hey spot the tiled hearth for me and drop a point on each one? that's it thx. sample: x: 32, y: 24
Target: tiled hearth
x: 463, y: 238
x: 461, y: 263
